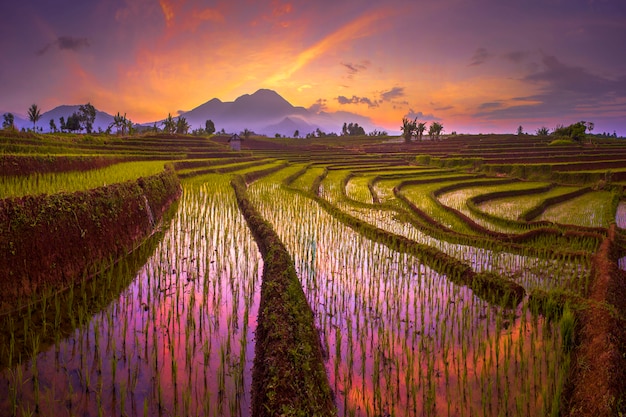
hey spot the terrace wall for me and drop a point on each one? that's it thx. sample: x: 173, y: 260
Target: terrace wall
x: 51, y: 241
x: 598, y: 378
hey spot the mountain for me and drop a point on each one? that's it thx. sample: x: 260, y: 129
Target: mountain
x: 103, y: 120
x: 289, y: 125
x: 263, y: 112
x: 266, y: 112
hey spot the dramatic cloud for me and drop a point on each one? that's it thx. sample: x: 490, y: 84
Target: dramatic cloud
x: 481, y: 55
x: 151, y: 57
x: 66, y: 43
x: 392, y: 94
x: 357, y: 100
x: 562, y: 89
x: 412, y: 114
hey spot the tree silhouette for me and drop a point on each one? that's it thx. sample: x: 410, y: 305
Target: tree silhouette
x: 419, y: 130
x: 34, y: 114
x: 120, y: 122
x: 73, y: 123
x: 543, y: 131
x: 209, y: 126
x: 408, y: 128
x: 9, y: 121
x: 435, y: 130
x: 182, y: 127
x: 169, y: 125
x: 87, y: 114
x: 296, y: 134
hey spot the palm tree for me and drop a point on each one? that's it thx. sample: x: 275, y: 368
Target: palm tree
x: 119, y: 122
x: 169, y: 125
x: 408, y: 128
x: 182, y: 127
x: 435, y: 130
x: 419, y: 130
x: 34, y: 114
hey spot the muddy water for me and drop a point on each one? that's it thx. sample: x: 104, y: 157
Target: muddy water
x: 177, y: 340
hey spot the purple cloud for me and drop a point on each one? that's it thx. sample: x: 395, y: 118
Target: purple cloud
x: 481, y: 55
x: 394, y: 93
x: 68, y: 43
x: 357, y: 100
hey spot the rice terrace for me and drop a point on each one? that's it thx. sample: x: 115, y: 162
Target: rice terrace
x: 170, y: 275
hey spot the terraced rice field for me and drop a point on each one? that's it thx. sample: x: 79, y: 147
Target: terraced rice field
x: 439, y: 289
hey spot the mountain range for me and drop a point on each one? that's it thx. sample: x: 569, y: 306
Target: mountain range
x: 264, y: 112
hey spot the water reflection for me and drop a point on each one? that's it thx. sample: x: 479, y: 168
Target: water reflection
x: 176, y: 339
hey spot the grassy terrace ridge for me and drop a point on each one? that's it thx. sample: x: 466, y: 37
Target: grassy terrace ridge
x: 289, y: 378
x: 597, y: 386
x: 15, y: 164
x: 56, y: 240
x: 67, y: 182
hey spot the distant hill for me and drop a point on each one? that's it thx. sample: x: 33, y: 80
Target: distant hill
x: 264, y: 112
x: 103, y: 120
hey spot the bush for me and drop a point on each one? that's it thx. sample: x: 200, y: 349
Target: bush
x: 561, y: 141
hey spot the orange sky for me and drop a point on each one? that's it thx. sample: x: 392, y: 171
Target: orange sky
x: 479, y: 67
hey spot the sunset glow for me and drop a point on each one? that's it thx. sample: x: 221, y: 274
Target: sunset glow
x: 476, y: 67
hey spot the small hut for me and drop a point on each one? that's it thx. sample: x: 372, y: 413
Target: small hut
x: 235, y: 142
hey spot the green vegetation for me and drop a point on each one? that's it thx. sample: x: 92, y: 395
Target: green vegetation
x: 358, y: 276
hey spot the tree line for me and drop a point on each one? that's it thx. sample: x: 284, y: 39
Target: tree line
x: 413, y: 128
x: 85, y: 117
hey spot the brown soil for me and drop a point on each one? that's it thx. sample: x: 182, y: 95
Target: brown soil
x: 288, y: 377
x: 52, y: 241
x: 598, y: 375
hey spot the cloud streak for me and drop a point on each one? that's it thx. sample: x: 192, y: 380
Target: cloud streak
x: 362, y: 26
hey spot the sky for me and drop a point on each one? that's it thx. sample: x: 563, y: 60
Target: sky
x: 476, y: 66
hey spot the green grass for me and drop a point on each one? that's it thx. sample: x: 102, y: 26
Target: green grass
x: 68, y: 182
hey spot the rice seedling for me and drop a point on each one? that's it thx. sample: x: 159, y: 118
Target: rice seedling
x: 149, y: 338
x: 513, y: 207
x: 593, y: 209
x: 400, y: 314
x: 52, y: 183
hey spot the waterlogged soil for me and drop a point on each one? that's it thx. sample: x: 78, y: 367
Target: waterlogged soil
x: 178, y: 340
x: 402, y: 339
